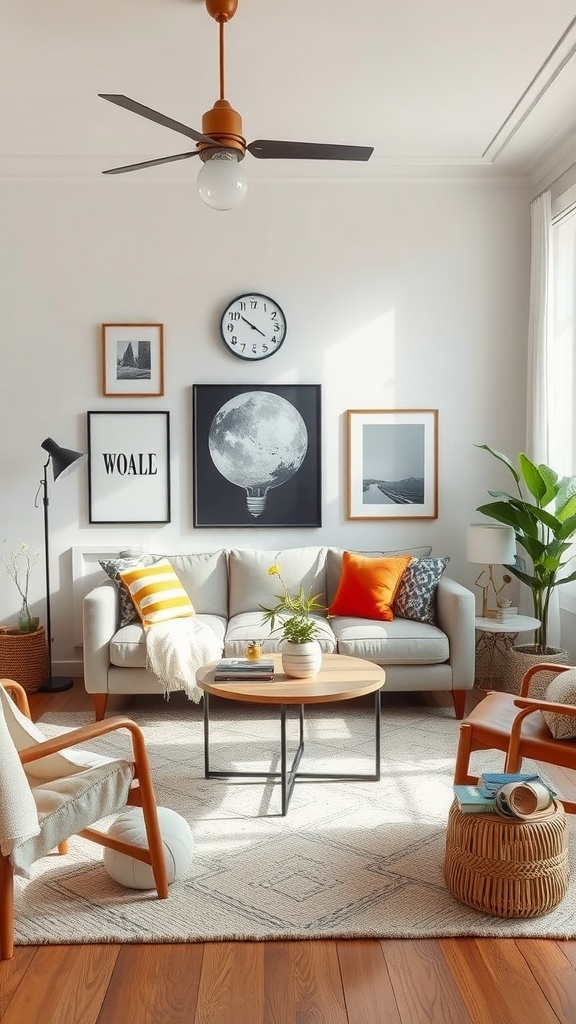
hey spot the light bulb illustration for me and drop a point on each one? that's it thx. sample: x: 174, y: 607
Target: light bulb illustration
x: 257, y: 440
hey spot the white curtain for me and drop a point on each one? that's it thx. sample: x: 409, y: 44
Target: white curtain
x: 539, y: 395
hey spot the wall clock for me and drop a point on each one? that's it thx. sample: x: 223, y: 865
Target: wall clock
x: 253, y: 326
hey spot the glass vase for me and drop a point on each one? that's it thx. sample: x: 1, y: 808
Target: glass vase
x: 27, y: 623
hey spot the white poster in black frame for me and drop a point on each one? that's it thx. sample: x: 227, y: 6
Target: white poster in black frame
x: 128, y: 467
x: 257, y: 455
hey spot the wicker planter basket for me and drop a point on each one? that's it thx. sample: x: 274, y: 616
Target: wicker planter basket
x: 518, y: 660
x: 24, y: 657
x: 507, y: 867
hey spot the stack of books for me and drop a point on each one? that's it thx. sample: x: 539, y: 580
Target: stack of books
x: 482, y: 798
x: 509, y: 612
x: 236, y: 669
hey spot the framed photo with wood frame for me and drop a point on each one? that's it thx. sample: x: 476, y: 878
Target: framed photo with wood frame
x: 392, y: 463
x: 128, y: 467
x: 133, y: 360
x: 257, y: 455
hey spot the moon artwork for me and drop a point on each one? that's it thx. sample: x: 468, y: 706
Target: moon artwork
x: 257, y: 440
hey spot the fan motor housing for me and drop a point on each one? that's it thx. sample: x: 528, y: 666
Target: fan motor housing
x: 223, y: 124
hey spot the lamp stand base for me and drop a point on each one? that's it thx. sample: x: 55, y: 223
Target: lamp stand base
x: 56, y: 684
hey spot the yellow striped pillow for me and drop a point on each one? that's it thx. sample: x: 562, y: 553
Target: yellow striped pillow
x: 157, y: 593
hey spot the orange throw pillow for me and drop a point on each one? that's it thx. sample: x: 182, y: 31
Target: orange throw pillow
x: 368, y: 586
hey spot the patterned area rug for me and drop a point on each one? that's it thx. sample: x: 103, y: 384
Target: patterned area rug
x: 349, y: 860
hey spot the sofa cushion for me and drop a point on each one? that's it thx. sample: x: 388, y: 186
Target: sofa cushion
x: 204, y: 576
x: 416, y: 595
x: 368, y: 585
x: 400, y: 642
x: 128, y: 645
x: 334, y: 563
x: 157, y: 593
x: 250, y: 584
x: 113, y: 567
x: 248, y: 626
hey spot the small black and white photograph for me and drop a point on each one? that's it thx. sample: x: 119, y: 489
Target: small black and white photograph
x: 133, y: 360
x: 392, y: 464
x: 257, y: 455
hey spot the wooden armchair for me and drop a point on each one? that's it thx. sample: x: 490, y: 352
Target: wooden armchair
x: 516, y: 726
x: 46, y: 796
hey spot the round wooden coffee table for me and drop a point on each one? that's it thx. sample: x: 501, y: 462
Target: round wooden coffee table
x: 340, y: 678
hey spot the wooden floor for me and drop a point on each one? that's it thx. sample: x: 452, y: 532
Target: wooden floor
x: 427, y: 981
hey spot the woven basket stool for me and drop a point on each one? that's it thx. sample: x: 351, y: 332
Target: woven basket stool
x: 504, y: 866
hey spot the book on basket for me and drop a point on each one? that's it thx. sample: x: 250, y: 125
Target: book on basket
x: 471, y: 800
x: 230, y: 669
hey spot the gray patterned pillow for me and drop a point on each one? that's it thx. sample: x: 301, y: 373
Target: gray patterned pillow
x: 112, y: 567
x: 562, y: 690
x: 416, y: 596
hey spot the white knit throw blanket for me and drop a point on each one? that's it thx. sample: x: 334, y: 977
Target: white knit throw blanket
x: 175, y: 650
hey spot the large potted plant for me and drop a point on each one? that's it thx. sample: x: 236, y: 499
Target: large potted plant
x: 543, y: 516
x: 301, y: 652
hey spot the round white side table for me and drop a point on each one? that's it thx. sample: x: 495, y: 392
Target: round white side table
x: 495, y: 637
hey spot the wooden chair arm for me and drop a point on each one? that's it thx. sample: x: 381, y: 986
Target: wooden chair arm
x: 554, y: 707
x: 527, y: 706
x: 542, y: 667
x: 88, y: 732
x: 18, y: 694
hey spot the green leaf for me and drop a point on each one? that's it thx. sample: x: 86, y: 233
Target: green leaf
x: 532, y: 477
x: 502, y: 458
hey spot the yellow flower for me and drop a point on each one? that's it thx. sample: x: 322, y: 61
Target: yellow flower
x: 274, y: 570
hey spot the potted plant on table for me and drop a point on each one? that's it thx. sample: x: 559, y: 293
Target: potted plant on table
x: 543, y: 516
x: 301, y: 652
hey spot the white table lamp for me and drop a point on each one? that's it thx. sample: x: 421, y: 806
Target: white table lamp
x: 490, y: 545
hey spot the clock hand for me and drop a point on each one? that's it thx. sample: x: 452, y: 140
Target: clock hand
x: 253, y: 326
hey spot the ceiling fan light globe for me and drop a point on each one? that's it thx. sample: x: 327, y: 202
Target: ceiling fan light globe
x: 222, y: 183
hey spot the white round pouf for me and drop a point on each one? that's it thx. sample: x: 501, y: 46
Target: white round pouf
x: 129, y: 827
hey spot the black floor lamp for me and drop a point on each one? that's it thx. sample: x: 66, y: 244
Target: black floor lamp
x: 63, y: 460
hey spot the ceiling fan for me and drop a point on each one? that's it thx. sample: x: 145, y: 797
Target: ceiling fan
x: 220, y: 145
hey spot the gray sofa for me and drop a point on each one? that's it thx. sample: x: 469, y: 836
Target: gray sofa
x: 226, y: 588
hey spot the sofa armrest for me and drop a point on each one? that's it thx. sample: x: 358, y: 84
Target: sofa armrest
x: 100, y: 611
x: 456, y: 612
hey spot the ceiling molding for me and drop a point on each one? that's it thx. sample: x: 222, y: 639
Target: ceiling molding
x: 557, y: 59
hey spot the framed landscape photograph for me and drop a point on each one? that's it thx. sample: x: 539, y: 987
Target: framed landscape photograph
x: 133, y: 360
x: 129, y: 467
x: 392, y: 463
x: 257, y: 455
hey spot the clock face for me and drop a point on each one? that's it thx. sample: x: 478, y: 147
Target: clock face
x: 253, y: 326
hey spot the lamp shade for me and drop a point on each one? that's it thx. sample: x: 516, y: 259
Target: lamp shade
x: 63, y: 459
x: 491, y: 544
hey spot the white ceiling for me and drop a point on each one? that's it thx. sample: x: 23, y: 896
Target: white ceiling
x: 442, y: 88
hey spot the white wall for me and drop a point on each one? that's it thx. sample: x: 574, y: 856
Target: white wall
x: 396, y: 296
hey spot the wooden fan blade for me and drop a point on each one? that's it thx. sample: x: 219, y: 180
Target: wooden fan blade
x: 265, y: 149
x: 154, y: 115
x: 151, y: 163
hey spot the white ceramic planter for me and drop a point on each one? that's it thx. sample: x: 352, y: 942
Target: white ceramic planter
x: 301, y: 660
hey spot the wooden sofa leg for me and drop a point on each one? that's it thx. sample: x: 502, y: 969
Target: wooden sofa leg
x: 100, y: 701
x: 6, y: 909
x: 459, y: 701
